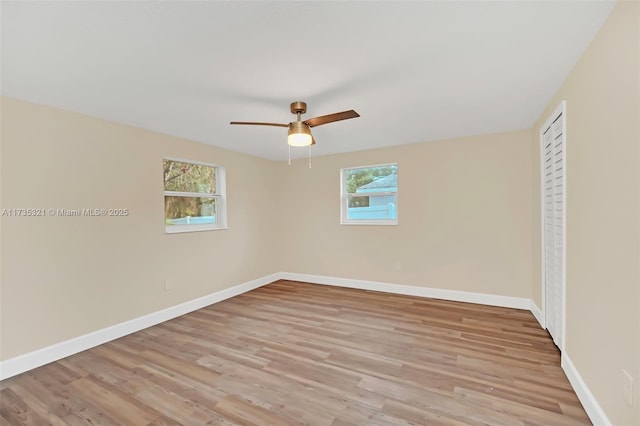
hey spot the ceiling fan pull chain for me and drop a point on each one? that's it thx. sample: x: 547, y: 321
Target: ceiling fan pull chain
x: 309, y: 156
x: 289, y: 154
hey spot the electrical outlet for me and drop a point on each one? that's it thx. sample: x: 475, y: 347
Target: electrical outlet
x: 168, y: 285
x: 627, y: 387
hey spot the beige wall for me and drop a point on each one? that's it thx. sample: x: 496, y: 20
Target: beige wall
x: 465, y: 213
x: 66, y: 276
x: 464, y: 217
x: 603, y: 211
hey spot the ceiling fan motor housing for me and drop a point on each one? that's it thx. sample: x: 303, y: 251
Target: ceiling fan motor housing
x: 298, y: 107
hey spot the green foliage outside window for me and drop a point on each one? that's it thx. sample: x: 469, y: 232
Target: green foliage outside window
x: 197, y: 182
x: 188, y: 177
x: 357, y: 178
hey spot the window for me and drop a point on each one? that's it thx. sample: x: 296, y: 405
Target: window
x: 194, y: 196
x: 369, y: 195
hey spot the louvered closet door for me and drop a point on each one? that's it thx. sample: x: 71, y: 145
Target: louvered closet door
x: 553, y: 168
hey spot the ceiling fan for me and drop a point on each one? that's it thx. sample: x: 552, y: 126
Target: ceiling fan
x: 300, y: 131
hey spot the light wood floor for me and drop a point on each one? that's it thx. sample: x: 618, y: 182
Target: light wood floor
x: 295, y: 353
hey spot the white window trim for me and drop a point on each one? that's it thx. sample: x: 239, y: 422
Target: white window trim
x: 220, y: 196
x: 344, y: 199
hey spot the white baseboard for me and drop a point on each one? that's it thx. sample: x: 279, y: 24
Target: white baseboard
x: 410, y: 290
x: 536, y: 313
x: 31, y: 360
x: 594, y: 410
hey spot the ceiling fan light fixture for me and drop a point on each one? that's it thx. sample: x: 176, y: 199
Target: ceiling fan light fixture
x: 300, y: 131
x: 299, y: 134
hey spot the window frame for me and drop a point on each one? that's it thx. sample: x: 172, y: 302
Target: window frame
x: 345, y: 197
x: 220, y: 197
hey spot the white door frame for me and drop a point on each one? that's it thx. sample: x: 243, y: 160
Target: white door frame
x: 561, y: 109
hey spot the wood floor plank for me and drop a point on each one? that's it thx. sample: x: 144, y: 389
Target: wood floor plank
x: 17, y: 411
x: 298, y: 353
x: 38, y: 407
x: 246, y: 413
x: 117, y: 403
x: 59, y: 399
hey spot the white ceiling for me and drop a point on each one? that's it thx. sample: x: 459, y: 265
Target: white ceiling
x: 415, y: 71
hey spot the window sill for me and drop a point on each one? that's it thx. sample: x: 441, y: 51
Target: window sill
x: 178, y: 229
x: 375, y: 223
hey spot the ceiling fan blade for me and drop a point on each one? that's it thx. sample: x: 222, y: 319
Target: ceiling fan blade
x: 325, y: 119
x: 257, y: 123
